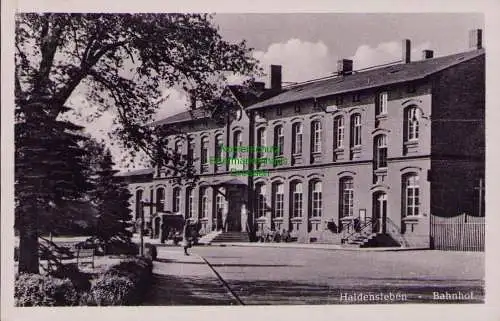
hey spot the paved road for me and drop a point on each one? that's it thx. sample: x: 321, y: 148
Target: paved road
x: 310, y: 276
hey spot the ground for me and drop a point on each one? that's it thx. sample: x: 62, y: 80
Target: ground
x: 256, y: 275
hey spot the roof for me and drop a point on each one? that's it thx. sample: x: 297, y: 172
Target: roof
x: 245, y: 96
x: 193, y: 114
x: 138, y: 172
x: 369, y: 79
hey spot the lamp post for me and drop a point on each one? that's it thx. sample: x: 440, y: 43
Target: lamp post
x: 141, y: 225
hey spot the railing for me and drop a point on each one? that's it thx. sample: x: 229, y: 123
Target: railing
x: 357, y: 227
x: 395, y: 232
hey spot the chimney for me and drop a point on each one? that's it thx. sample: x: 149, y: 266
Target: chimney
x: 406, y: 51
x: 476, y: 39
x: 276, y: 77
x: 427, y: 54
x: 344, y: 67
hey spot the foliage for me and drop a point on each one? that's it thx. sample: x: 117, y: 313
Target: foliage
x: 80, y: 280
x: 118, y: 61
x: 49, y: 182
x: 111, y: 197
x: 124, y: 62
x: 122, y: 284
x: 37, y: 290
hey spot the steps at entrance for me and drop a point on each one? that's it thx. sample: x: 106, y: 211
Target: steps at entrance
x: 371, y: 240
x: 231, y: 237
x: 208, y: 238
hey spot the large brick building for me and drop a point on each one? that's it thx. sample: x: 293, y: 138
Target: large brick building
x: 371, y: 153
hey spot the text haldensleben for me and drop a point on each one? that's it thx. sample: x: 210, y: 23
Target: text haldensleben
x: 366, y: 297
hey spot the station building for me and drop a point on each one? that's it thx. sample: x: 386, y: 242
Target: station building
x: 371, y: 153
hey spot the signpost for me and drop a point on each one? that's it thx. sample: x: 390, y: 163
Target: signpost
x: 141, y: 227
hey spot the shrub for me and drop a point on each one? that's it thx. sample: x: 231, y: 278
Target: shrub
x: 110, y: 290
x: 38, y: 290
x: 122, y: 284
x: 80, y: 280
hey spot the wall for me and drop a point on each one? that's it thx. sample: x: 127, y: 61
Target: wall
x: 458, y: 138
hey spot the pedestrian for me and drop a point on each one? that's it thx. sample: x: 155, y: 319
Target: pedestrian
x: 186, y: 242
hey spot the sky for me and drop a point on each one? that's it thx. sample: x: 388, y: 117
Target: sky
x: 308, y: 45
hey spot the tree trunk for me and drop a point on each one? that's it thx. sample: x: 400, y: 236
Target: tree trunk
x: 28, y: 248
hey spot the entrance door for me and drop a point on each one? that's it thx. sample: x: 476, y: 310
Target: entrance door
x: 379, y: 212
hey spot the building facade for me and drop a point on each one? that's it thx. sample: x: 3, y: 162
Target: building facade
x: 373, y: 153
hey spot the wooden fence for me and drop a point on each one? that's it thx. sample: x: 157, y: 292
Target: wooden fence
x: 459, y: 233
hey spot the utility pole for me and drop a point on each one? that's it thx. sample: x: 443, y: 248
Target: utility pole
x: 141, y: 227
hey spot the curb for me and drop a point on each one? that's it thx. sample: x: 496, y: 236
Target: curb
x: 325, y: 248
x: 224, y: 283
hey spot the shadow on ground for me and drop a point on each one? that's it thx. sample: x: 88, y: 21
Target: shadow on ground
x: 293, y: 293
x: 175, y: 290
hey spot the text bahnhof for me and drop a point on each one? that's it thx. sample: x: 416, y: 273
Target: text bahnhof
x: 247, y: 149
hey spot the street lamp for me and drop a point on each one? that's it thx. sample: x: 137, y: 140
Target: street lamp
x: 141, y: 225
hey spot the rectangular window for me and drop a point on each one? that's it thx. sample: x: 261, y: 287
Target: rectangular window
x: 297, y: 138
x: 380, y: 151
x: 411, y: 196
x: 279, y: 140
x: 177, y: 200
x: 381, y: 104
x: 316, y: 199
x: 278, y: 198
x: 346, y: 197
x: 356, y: 130
x: 189, y: 203
x: 297, y: 200
x: 316, y: 137
x: 339, y: 132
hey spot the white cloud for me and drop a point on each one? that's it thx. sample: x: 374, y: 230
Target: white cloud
x: 301, y: 60
x: 385, y: 52
x: 177, y: 102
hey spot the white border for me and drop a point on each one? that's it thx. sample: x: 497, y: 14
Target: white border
x: 488, y: 311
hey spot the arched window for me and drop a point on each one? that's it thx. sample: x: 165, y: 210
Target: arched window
x: 338, y: 129
x: 203, y: 202
x: 204, y: 151
x: 160, y: 199
x: 176, y: 200
x: 138, y: 205
x: 260, y: 192
x: 218, y: 148
x: 346, y: 196
x: 279, y: 140
x: 380, y: 151
x: 316, y: 136
x: 189, y: 202
x: 296, y: 199
x: 355, y: 130
x: 297, y: 138
x: 261, y: 141
x: 411, y: 195
x: 411, y: 123
x: 237, y: 144
x: 316, y: 198
x: 277, y: 200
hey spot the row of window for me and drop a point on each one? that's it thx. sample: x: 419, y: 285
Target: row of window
x: 411, y: 133
x: 410, y: 198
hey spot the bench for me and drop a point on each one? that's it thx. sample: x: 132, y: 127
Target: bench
x: 85, y: 256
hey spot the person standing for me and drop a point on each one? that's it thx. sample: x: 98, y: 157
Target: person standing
x: 186, y: 242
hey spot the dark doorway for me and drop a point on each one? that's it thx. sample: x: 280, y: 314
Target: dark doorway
x: 379, y: 212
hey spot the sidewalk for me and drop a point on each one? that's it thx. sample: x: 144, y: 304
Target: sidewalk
x: 185, y: 280
x: 294, y: 245
x: 331, y: 247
